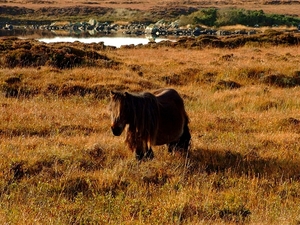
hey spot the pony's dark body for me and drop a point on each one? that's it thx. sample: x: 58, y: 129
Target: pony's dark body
x: 153, y: 119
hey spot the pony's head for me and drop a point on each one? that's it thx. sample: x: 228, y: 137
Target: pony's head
x: 119, y: 112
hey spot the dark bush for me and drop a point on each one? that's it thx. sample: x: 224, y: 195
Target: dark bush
x: 20, y: 57
x: 16, y: 90
x: 281, y: 80
x: 23, y: 58
x: 51, y: 89
x: 69, y: 57
x: 232, y: 16
x: 62, y: 59
x: 73, y: 89
x: 13, y: 80
x: 10, y: 91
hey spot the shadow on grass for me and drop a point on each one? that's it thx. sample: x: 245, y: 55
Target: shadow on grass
x: 251, y: 164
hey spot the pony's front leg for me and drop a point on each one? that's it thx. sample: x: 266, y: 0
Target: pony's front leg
x: 139, y: 153
x: 140, y: 150
x: 183, y: 143
x: 149, y: 153
x: 143, y: 151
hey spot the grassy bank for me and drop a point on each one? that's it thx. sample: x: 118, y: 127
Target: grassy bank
x: 61, y: 164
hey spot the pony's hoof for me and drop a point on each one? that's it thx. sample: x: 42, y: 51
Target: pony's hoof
x: 139, y: 157
x: 149, y: 154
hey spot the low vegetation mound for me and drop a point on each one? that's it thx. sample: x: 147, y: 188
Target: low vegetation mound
x: 269, y: 37
x: 281, y: 80
x: 29, y: 53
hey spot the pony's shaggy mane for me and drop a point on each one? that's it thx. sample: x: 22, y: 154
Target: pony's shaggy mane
x: 143, y: 124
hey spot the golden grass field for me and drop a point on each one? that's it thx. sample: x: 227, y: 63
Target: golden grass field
x: 60, y: 163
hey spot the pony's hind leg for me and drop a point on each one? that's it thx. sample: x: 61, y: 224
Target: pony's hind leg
x: 185, y: 139
x: 139, y: 153
x: 183, y: 143
x: 172, y: 146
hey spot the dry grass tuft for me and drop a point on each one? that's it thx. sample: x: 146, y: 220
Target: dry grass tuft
x: 226, y: 84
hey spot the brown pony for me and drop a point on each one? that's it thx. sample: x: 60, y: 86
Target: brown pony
x: 153, y: 119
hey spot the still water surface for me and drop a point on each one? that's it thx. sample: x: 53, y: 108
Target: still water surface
x: 111, y: 41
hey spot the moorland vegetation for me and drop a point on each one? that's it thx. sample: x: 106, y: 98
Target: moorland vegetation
x: 211, y: 17
x: 60, y: 163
